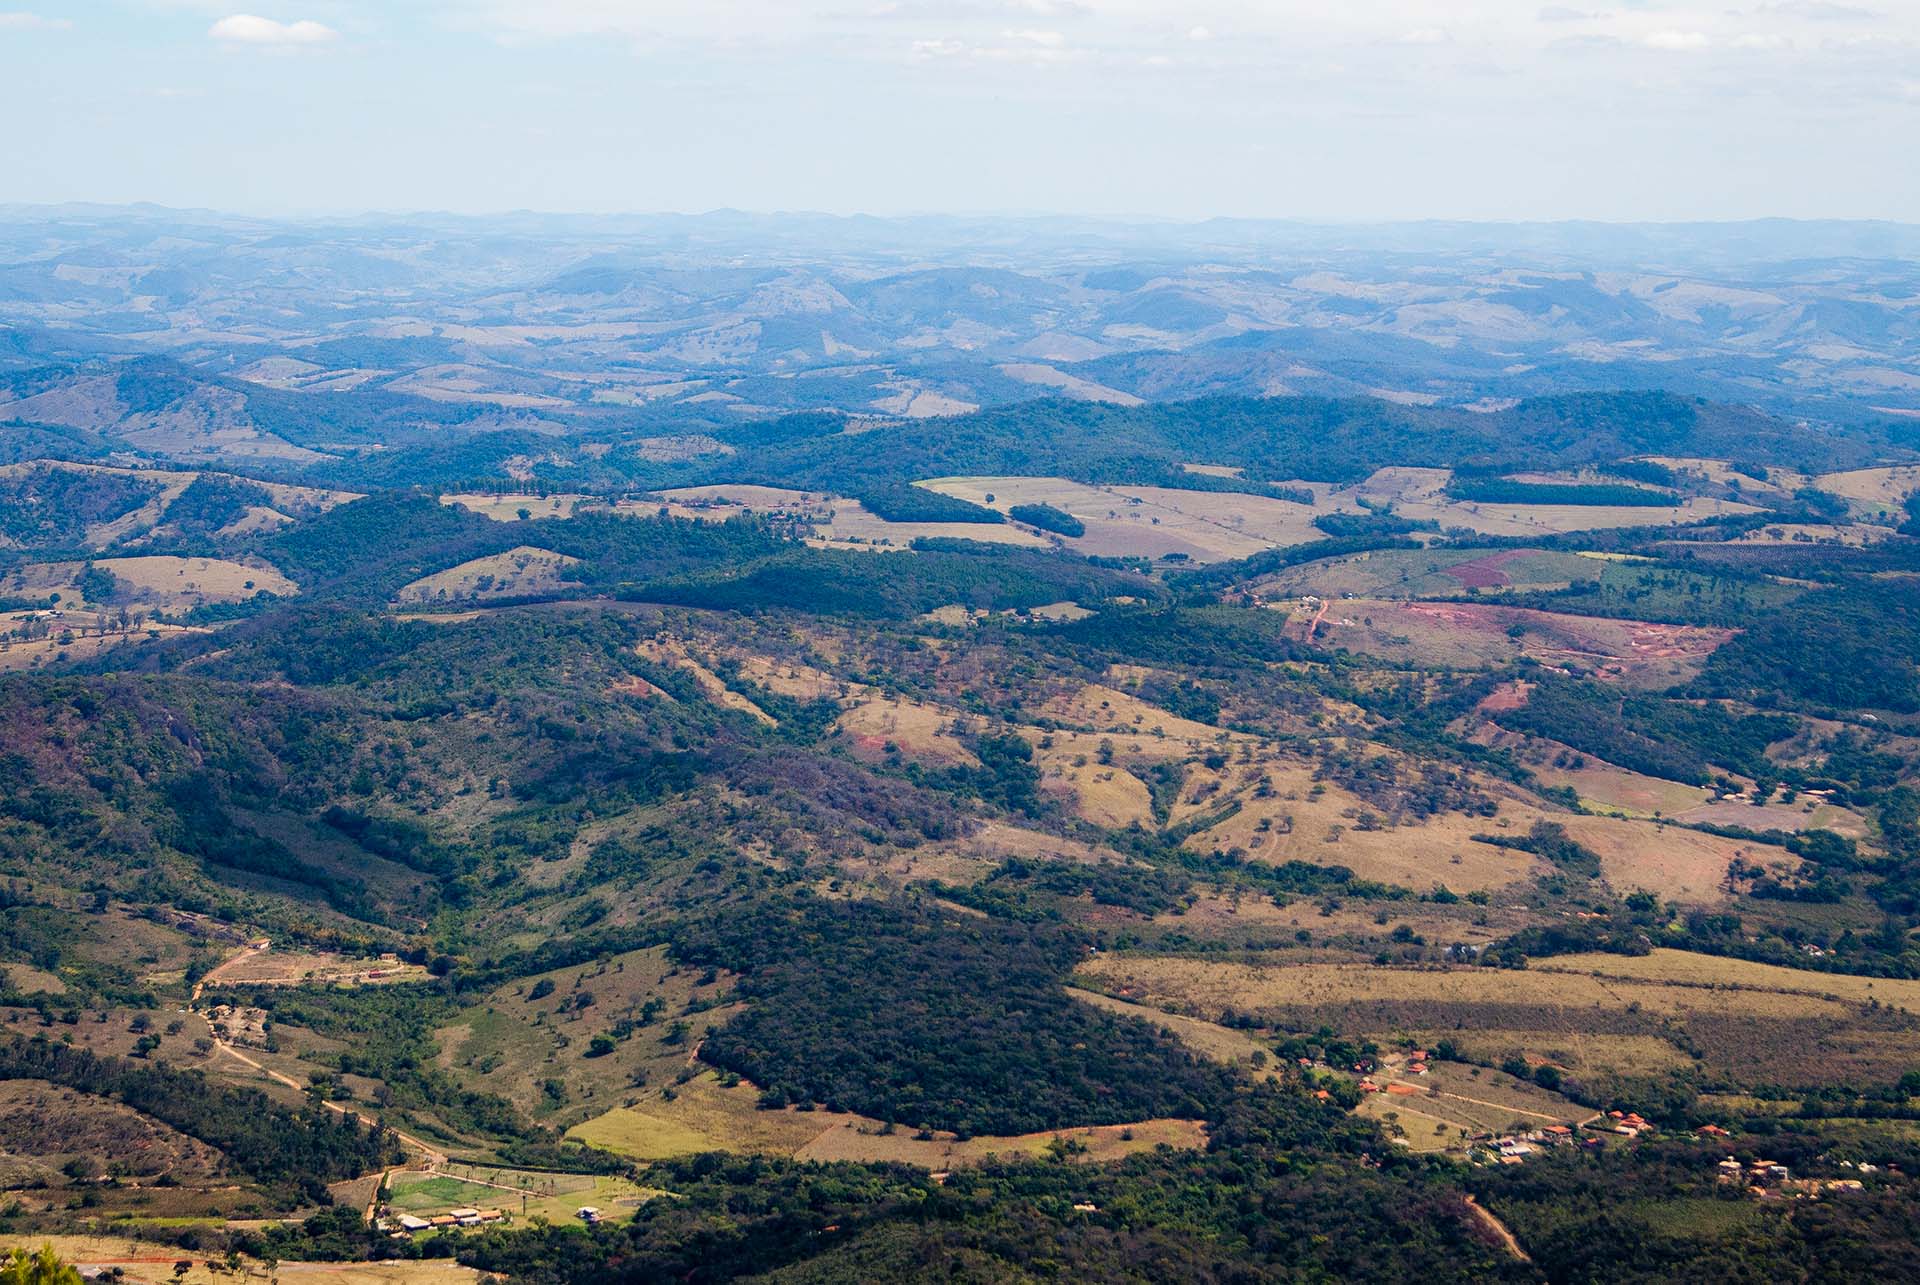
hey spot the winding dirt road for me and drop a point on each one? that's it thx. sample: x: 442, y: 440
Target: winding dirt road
x: 432, y: 1156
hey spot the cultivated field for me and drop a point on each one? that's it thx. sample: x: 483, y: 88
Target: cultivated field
x: 1475, y: 635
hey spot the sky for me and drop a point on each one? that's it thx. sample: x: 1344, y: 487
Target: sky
x: 1325, y: 110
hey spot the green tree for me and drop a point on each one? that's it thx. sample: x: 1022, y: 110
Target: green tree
x: 44, y: 1268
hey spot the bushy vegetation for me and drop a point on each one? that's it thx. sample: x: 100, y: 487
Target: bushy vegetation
x: 1506, y: 490
x: 1048, y: 518
x: 304, y: 1150
x: 919, y: 504
x: 1675, y: 739
x: 51, y: 508
x: 932, y: 1019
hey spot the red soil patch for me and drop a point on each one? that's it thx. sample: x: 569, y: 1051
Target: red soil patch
x: 1486, y: 573
x: 1507, y: 696
x: 634, y: 685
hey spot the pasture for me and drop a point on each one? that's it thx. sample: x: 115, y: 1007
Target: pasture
x: 149, y: 583
x: 144, y: 1262
x: 1456, y: 635
x: 1873, y: 492
x: 544, y: 1029
x: 705, y: 1115
x: 835, y: 521
x: 520, y: 572
x: 1740, y: 1024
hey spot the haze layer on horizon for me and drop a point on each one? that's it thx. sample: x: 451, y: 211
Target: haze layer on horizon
x: 1368, y: 110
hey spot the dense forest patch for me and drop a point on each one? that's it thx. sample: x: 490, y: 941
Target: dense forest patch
x: 933, y: 1019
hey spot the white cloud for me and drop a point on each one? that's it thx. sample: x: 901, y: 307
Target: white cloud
x: 1677, y: 41
x: 246, y: 29
x: 31, y: 22
x: 1823, y: 11
x: 924, y: 50
x: 1424, y: 36
x: 1200, y: 33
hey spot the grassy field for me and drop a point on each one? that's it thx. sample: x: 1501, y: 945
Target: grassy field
x: 1455, y: 1102
x: 1597, y: 1016
x: 1873, y: 491
x: 836, y: 521
x: 43, y: 1127
x: 1690, y: 969
x: 1600, y: 785
x: 517, y: 573
x: 518, y: 1193
x: 505, y: 507
x: 1427, y: 573
x: 1455, y: 635
x: 147, y: 1263
x: 705, y: 1116
x: 513, y: 1043
x: 866, y: 1144
x: 150, y: 583
x: 1145, y: 521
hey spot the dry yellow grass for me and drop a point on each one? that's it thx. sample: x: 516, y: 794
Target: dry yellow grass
x: 1112, y: 712
x: 1600, y: 785
x: 1221, y: 1043
x: 1808, y: 533
x: 1873, y: 489
x: 849, y: 1140
x: 1206, y: 989
x: 918, y: 731
x: 506, y: 507
x: 516, y: 573
x: 1212, y: 526
x: 705, y: 1116
x: 1692, y: 969
x: 178, y: 583
x: 1779, y: 482
x: 1295, y: 824
x: 172, y: 483
x: 148, y: 1263
x: 1122, y: 521
x: 837, y: 521
x: 675, y: 652
x: 93, y: 633
x: 1680, y: 865
x: 1107, y: 795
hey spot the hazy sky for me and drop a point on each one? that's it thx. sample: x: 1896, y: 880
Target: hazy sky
x: 1318, y: 109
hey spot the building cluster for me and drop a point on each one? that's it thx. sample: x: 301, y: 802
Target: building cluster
x: 412, y: 1225
x: 1514, y: 1148
x: 1771, y: 1180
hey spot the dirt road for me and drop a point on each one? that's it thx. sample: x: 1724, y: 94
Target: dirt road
x: 1498, y: 1228
x: 433, y: 1157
